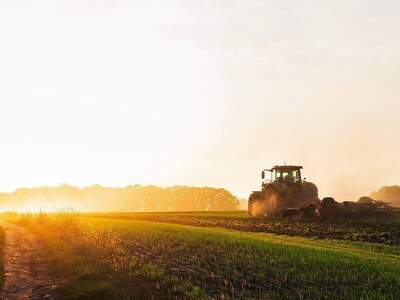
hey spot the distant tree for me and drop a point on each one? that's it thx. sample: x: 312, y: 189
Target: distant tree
x: 388, y: 194
x: 130, y: 198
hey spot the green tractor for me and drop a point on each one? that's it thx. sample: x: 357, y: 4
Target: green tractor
x: 284, y: 194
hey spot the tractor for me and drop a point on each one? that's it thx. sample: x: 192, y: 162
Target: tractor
x: 284, y: 194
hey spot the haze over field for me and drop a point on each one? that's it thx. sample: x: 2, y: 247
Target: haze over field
x: 200, y: 93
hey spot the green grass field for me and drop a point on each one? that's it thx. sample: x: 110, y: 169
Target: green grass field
x: 382, y: 233
x: 109, y: 257
x: 2, y: 244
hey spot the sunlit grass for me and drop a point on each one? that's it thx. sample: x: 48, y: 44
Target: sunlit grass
x: 386, y: 233
x: 2, y: 246
x: 121, y: 259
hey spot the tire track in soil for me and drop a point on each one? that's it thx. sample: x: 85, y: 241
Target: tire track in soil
x: 26, y: 273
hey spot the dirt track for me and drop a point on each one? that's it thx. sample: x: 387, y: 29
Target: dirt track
x: 26, y: 275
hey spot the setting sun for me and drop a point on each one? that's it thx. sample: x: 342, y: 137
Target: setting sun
x: 198, y: 93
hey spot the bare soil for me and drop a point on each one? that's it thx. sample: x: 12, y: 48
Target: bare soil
x: 26, y: 272
x: 381, y: 233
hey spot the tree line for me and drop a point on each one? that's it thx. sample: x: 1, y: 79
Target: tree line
x: 389, y: 194
x: 131, y: 198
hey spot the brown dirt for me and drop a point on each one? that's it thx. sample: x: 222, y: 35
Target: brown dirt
x: 26, y: 274
x: 380, y: 233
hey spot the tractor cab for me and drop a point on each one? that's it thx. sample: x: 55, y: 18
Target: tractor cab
x: 289, y: 174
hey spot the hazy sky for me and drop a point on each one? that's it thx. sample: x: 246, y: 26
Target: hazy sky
x: 200, y: 92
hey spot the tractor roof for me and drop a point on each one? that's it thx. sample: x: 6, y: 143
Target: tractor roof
x: 287, y: 168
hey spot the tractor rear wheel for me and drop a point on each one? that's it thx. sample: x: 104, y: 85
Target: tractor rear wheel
x: 255, y: 205
x: 272, y: 202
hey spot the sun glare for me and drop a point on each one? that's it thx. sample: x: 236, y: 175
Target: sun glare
x: 35, y: 207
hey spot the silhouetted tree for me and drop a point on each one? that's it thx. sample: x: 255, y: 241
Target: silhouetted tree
x: 389, y: 194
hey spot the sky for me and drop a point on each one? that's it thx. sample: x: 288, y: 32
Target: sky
x: 202, y: 93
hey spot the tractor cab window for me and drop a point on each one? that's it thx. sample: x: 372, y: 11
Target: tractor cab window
x: 288, y: 176
x: 292, y: 176
x: 278, y: 175
x: 296, y: 175
x: 275, y: 175
x: 285, y: 174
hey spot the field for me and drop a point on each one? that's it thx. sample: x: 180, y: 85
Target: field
x: 384, y: 233
x: 214, y: 255
x: 2, y: 240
